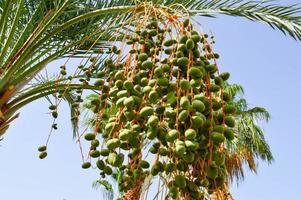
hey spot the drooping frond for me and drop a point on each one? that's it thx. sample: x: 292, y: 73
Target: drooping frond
x: 41, y: 33
x: 107, y: 188
x: 252, y: 137
x: 287, y: 19
x: 234, y: 89
x: 250, y: 144
x: 234, y: 165
x: 258, y: 113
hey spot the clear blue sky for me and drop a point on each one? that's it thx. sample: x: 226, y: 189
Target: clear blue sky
x: 264, y: 61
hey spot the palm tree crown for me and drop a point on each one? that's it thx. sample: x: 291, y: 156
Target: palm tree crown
x: 34, y: 33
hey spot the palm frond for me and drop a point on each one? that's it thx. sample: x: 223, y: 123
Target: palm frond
x: 250, y: 144
x: 287, y: 19
x: 47, y: 33
x: 258, y: 113
x: 234, y: 165
x: 252, y: 136
x: 107, y: 188
x: 234, y: 89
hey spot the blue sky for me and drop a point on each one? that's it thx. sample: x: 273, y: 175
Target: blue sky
x: 264, y: 61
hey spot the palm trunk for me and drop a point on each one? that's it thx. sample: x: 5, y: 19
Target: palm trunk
x: 135, y: 192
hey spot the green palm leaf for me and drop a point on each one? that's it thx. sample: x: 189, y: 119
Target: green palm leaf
x: 34, y: 33
x: 287, y: 19
x: 250, y: 144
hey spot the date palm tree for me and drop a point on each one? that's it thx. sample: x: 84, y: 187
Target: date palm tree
x: 34, y: 32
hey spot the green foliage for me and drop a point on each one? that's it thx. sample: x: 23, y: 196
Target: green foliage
x: 34, y: 33
x: 249, y: 145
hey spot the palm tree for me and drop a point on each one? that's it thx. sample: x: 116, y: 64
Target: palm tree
x: 33, y: 33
